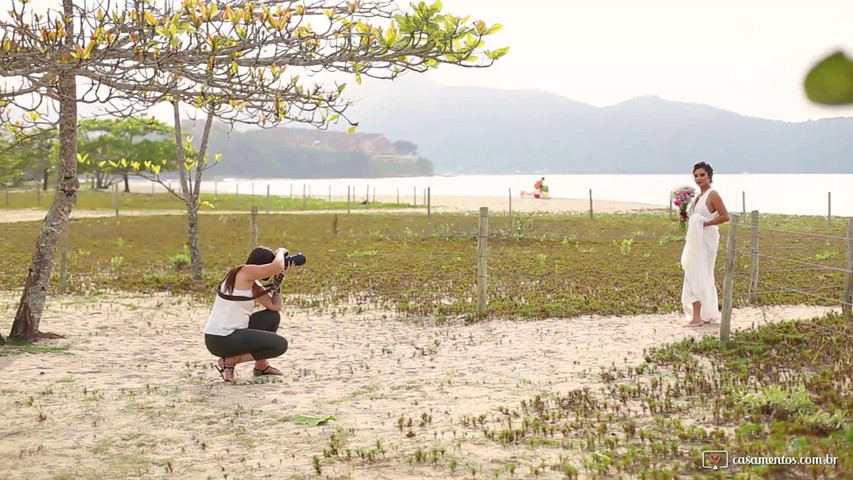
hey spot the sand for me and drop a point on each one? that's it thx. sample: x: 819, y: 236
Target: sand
x: 135, y: 395
x: 438, y: 205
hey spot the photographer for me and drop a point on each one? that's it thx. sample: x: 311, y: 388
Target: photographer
x: 233, y: 332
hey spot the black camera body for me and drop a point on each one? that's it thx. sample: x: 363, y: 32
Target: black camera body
x: 297, y: 259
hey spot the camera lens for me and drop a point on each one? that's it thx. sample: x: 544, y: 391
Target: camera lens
x: 297, y: 259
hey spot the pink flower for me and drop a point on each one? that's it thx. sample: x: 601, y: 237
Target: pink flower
x: 677, y: 203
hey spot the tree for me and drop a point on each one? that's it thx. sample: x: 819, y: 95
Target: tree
x: 405, y: 147
x: 103, y: 143
x: 13, y: 166
x: 247, y: 49
x: 38, y: 152
x: 31, y: 157
x: 231, y: 60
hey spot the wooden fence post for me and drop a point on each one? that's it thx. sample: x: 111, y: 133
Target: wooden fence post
x: 848, y: 276
x: 753, y: 262
x: 743, y: 203
x: 428, y: 202
x: 398, y: 195
x: 590, y: 203
x: 335, y: 224
x: 303, y: 197
x: 268, y: 199
x: 254, y: 226
x: 349, y: 194
x: 415, y: 195
x: 330, y: 194
x: 482, y: 252
x: 63, y: 260
x: 829, y: 208
x: 728, y: 282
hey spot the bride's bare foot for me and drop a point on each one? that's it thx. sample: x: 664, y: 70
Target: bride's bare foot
x: 696, y: 322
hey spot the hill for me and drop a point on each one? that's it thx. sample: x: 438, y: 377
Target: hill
x: 485, y: 130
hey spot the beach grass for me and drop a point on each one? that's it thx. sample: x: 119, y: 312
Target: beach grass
x: 88, y: 199
x: 773, y: 403
x: 539, y: 265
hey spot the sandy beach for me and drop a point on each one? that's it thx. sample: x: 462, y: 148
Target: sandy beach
x: 438, y: 205
x: 135, y: 394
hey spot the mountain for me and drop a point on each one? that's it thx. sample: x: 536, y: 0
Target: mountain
x: 487, y: 130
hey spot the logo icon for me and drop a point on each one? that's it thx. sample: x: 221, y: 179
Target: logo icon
x: 715, y: 459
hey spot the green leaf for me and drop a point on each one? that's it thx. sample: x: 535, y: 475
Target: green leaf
x: 311, y: 420
x: 351, y: 130
x: 830, y: 82
x: 494, y: 55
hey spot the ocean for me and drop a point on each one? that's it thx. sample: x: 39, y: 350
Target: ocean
x: 797, y: 194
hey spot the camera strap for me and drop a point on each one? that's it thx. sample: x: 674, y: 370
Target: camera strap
x: 241, y: 298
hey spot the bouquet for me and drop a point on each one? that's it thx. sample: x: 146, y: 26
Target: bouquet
x: 681, y: 198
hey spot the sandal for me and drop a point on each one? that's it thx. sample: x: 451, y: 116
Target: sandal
x: 221, y: 367
x: 267, y: 371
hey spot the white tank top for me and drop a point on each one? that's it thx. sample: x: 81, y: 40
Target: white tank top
x: 229, y: 315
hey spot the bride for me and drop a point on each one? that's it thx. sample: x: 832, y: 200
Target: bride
x: 699, y: 292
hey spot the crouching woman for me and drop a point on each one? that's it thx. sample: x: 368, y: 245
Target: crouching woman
x: 233, y: 332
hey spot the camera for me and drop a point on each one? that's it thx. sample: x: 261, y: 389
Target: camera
x: 297, y: 259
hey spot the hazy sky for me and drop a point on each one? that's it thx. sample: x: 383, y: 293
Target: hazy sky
x: 749, y: 57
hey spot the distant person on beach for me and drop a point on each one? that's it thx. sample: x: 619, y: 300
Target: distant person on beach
x: 233, y: 332
x: 699, y: 291
x: 539, y: 189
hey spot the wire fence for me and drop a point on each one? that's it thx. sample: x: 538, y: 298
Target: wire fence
x: 830, y: 273
x: 550, y: 266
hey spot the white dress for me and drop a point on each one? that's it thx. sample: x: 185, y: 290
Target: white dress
x: 697, y: 260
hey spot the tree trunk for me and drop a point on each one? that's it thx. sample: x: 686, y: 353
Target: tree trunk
x: 46, y: 175
x: 26, y: 324
x: 190, y: 200
x: 195, y: 247
x: 126, y: 184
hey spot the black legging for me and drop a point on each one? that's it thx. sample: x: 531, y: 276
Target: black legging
x: 259, y: 339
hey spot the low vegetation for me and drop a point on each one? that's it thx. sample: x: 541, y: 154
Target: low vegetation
x: 104, y: 200
x: 539, y: 266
